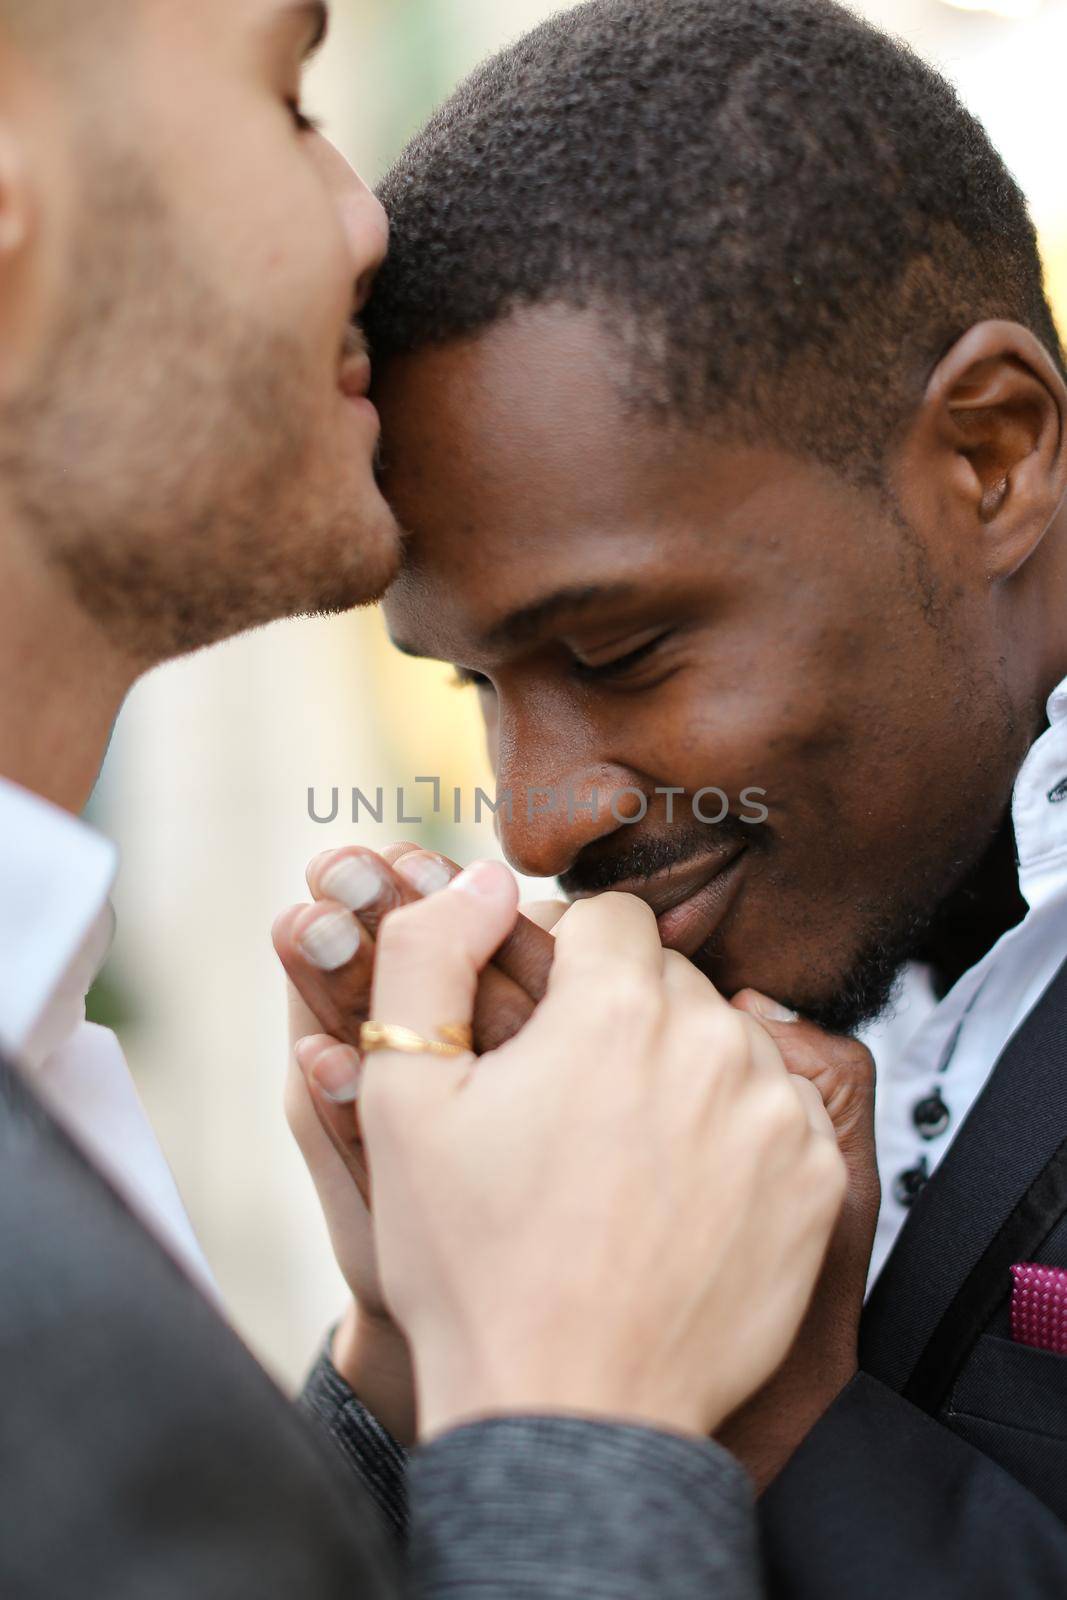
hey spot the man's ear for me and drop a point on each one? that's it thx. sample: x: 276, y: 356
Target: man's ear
x: 989, y: 443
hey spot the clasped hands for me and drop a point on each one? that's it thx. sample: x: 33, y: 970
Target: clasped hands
x: 619, y: 1206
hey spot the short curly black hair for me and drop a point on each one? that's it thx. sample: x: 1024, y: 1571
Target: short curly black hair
x: 786, y: 216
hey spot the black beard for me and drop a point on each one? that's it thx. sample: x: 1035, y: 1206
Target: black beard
x: 870, y: 986
x: 950, y: 937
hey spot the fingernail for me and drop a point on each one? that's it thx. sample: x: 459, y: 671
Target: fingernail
x: 354, y: 881
x: 773, y: 1010
x: 336, y: 1073
x: 481, y: 878
x: 425, y: 873
x: 331, y: 941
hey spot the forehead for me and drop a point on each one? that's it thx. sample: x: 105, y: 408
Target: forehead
x: 521, y: 427
x: 517, y: 467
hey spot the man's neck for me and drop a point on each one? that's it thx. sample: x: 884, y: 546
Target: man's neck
x: 989, y: 902
x: 63, y: 683
x: 973, y: 918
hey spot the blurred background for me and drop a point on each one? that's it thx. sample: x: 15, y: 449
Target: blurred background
x: 206, y: 785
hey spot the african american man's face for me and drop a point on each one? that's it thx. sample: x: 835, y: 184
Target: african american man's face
x: 642, y: 608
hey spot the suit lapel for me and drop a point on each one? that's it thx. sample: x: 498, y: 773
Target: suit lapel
x: 997, y: 1164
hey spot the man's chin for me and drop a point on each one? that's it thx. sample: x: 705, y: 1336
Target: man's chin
x: 853, y: 1007
x: 365, y: 562
x: 843, y: 1004
x: 366, y: 566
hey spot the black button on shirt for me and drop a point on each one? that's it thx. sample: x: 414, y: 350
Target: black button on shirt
x: 909, y: 1185
x: 931, y: 1115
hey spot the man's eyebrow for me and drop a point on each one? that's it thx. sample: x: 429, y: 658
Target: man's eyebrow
x: 527, y: 622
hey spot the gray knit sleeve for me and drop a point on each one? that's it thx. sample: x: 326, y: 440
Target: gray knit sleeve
x: 558, y: 1508
x: 372, y: 1453
x: 552, y: 1508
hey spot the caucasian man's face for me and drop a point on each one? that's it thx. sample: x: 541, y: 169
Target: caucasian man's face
x: 184, y: 432
x: 641, y: 608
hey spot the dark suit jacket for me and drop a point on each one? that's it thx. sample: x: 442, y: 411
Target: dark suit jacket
x: 942, y: 1469
x: 145, y: 1456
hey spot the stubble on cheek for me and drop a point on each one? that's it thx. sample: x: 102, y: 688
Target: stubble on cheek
x: 173, y: 457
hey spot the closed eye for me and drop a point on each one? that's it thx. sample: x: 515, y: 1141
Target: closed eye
x: 587, y: 672
x: 618, y: 668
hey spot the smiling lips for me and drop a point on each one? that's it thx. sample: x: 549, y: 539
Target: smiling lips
x: 689, y: 901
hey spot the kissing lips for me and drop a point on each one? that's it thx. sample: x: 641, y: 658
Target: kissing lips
x: 688, y: 926
x: 354, y: 383
x: 691, y: 900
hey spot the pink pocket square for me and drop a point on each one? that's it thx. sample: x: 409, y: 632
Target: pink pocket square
x: 1039, y: 1307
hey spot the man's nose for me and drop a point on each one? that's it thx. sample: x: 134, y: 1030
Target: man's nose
x: 546, y: 821
x: 362, y: 216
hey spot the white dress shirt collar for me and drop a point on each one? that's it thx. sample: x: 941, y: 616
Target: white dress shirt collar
x: 1039, y: 807
x: 56, y: 926
x: 56, y: 875
x: 935, y: 1057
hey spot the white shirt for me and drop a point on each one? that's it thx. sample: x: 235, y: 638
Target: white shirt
x: 953, y: 1046
x: 56, y: 926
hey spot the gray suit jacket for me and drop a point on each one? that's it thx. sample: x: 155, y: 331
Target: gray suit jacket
x: 145, y: 1456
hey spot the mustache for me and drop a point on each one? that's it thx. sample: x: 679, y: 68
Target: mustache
x: 645, y: 857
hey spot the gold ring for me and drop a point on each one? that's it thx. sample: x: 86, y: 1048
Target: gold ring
x: 457, y: 1039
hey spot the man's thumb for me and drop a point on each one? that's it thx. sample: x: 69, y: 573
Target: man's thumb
x: 429, y: 959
